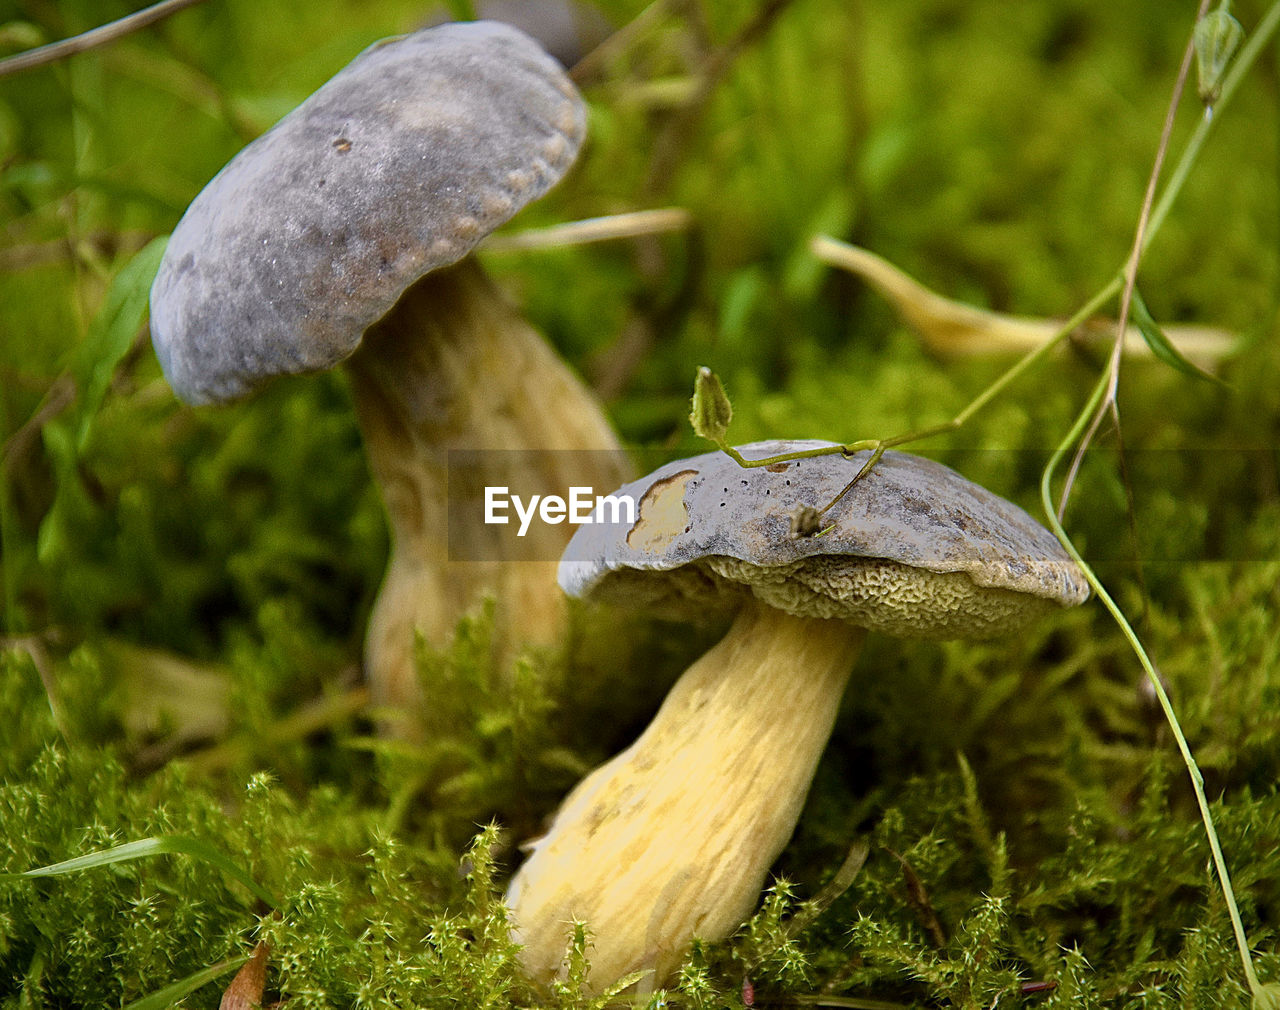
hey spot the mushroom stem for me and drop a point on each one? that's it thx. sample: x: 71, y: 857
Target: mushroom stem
x: 673, y: 837
x: 454, y: 367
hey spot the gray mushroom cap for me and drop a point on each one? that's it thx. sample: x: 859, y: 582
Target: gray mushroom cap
x: 398, y: 165
x: 914, y: 550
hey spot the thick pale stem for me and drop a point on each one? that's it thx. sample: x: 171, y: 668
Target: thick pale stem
x: 454, y: 368
x: 672, y: 838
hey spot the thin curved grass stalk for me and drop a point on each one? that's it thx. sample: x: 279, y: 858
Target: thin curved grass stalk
x: 1151, y: 223
x: 711, y: 413
x: 100, y: 36
x: 1109, y: 407
x: 1101, y: 402
x: 1193, y: 769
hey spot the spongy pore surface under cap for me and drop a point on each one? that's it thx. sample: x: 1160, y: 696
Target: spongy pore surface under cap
x: 398, y: 165
x: 914, y: 549
x: 886, y: 596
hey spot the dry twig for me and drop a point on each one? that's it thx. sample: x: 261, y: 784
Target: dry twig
x: 92, y: 39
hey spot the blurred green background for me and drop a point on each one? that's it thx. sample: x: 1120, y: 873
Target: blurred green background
x: 996, y: 151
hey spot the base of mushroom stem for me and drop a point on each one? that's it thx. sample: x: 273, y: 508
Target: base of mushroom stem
x: 427, y: 603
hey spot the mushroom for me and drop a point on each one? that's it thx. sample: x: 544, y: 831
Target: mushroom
x: 672, y: 838
x: 343, y: 234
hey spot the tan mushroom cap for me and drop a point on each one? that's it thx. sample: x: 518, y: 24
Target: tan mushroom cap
x: 914, y: 550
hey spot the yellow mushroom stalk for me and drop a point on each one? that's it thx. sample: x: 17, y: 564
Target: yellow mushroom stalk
x: 673, y: 837
x: 456, y: 370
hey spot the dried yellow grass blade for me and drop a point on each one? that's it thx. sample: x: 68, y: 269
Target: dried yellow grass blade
x: 955, y: 329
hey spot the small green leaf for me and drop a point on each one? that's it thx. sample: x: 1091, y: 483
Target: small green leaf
x: 111, y: 332
x: 1161, y: 346
x: 711, y: 411
x: 164, y: 998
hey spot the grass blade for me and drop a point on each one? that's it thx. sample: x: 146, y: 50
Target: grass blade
x: 112, y: 330
x: 1161, y: 346
x: 164, y: 998
x: 145, y: 848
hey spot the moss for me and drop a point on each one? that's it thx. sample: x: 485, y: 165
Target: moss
x: 1030, y: 836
